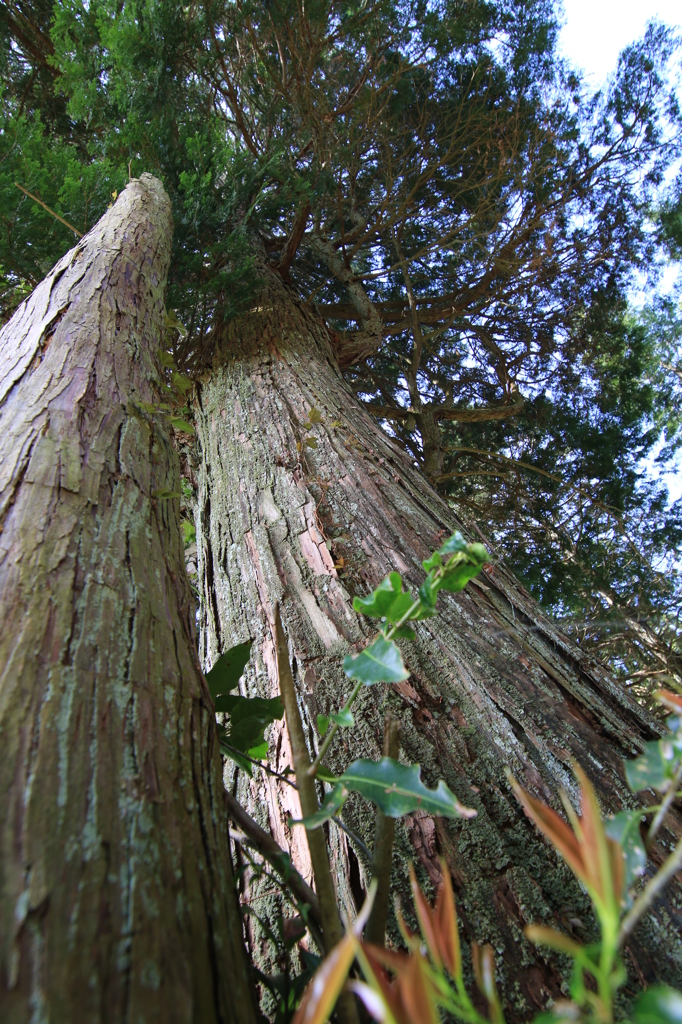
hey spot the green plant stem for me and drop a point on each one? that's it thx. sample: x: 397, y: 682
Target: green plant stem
x: 332, y: 929
x: 664, y: 807
x: 358, y: 686
x: 383, y: 848
x: 649, y: 894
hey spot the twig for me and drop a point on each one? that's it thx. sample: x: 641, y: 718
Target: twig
x: 383, y: 848
x: 647, y: 897
x: 332, y: 929
x: 46, y: 207
x: 260, y: 764
x: 274, y: 854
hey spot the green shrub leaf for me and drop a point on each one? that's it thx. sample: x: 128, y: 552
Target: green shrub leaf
x: 228, y: 669
x: 380, y: 662
x: 397, y: 789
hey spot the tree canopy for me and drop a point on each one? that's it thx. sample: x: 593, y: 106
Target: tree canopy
x: 438, y: 185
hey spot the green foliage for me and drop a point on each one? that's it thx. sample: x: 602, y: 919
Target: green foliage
x: 658, y: 766
x: 249, y: 716
x: 380, y: 662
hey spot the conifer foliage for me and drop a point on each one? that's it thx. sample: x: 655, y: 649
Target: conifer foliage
x: 437, y: 184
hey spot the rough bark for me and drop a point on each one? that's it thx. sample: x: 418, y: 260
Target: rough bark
x: 494, y: 682
x: 116, y: 894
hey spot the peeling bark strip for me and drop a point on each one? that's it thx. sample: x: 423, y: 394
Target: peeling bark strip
x: 493, y: 683
x: 116, y: 895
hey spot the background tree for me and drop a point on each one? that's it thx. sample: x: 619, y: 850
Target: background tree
x: 421, y: 197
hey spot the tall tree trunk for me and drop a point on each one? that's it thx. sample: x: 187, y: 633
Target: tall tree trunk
x: 493, y: 682
x: 116, y: 893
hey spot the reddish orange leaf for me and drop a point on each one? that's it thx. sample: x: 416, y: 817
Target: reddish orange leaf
x: 555, y: 828
x: 671, y: 700
x: 447, y: 931
x: 426, y: 919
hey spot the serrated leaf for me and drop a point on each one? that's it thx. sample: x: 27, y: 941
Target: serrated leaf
x: 458, y: 578
x: 178, y: 423
x: 658, y: 1005
x: 310, y: 442
x: 180, y: 382
x: 388, y: 601
x: 331, y: 805
x: 166, y: 359
x: 624, y: 828
x: 651, y: 770
x: 380, y: 662
x: 382, y: 597
x: 228, y: 669
x: 315, y: 416
x: 397, y: 789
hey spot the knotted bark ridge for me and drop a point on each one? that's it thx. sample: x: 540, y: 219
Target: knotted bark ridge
x: 116, y: 894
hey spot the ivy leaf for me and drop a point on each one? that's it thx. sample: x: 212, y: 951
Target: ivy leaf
x: 180, y: 382
x: 381, y: 662
x: 458, y: 578
x: 397, y: 789
x: 658, y: 1005
x: 179, y: 424
x: 249, y: 718
x: 331, y: 805
x: 624, y: 828
x: 379, y: 602
x: 228, y: 669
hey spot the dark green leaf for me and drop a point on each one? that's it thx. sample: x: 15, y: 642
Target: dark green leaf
x: 178, y: 423
x: 228, y: 669
x: 380, y: 662
x: 397, y: 789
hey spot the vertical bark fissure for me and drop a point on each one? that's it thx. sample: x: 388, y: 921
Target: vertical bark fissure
x: 116, y: 896
x: 493, y: 682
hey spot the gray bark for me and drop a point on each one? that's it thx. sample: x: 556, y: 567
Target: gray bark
x: 116, y: 894
x: 494, y: 682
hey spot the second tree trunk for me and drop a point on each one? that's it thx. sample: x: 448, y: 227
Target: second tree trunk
x: 309, y: 514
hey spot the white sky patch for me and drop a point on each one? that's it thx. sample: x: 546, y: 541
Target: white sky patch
x: 595, y: 31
